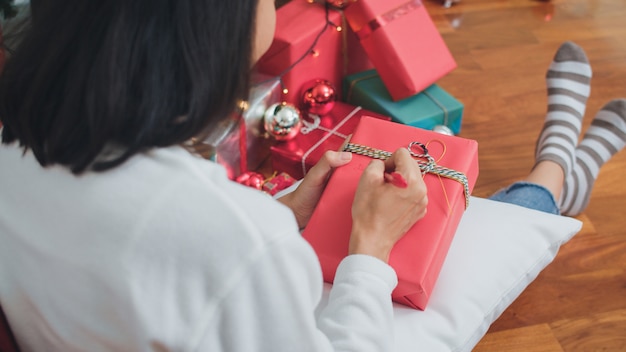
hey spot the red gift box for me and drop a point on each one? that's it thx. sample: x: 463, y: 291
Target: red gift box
x: 402, y: 42
x: 319, y: 134
x: 307, y: 45
x: 417, y: 257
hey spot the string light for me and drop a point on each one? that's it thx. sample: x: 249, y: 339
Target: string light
x: 315, y: 53
x: 339, y: 28
x: 243, y: 105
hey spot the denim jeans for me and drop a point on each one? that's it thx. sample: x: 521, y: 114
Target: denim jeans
x: 528, y: 195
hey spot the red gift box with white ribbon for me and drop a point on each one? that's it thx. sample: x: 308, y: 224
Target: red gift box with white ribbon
x: 318, y: 134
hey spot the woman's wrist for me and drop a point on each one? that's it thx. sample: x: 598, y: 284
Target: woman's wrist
x: 288, y: 200
x: 369, y: 244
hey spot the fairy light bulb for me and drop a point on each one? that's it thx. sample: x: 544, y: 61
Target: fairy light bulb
x: 243, y: 105
x: 285, y: 91
x: 315, y: 53
x: 339, y: 28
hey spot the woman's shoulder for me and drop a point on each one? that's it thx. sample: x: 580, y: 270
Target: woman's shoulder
x: 198, y: 191
x: 165, y: 188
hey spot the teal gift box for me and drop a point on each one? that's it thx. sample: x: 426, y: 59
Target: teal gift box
x: 431, y: 107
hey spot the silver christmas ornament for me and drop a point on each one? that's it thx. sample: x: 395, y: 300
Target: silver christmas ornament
x: 443, y: 129
x: 282, y: 121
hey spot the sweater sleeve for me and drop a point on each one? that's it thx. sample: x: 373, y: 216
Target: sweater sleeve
x: 359, y: 314
x: 273, y: 307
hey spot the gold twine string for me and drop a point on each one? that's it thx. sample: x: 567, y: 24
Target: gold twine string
x: 443, y: 188
x: 425, y: 161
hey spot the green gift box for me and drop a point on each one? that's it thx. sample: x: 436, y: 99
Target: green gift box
x: 431, y: 107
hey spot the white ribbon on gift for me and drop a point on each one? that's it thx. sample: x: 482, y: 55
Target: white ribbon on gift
x: 315, y: 125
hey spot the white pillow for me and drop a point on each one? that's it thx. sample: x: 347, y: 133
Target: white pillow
x: 497, y: 251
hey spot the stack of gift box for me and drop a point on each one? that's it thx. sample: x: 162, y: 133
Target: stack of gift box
x: 346, y: 68
x: 383, y: 57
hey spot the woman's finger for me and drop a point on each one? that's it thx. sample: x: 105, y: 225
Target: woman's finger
x: 330, y: 160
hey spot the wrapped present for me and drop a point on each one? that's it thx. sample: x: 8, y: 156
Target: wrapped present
x: 402, y: 42
x: 310, y: 43
x: 354, y: 58
x: 319, y: 134
x: 247, y: 147
x: 277, y: 183
x: 430, y: 108
x: 272, y: 185
x: 418, y: 256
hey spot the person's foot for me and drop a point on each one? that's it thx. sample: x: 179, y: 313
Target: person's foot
x: 568, y: 81
x: 605, y: 137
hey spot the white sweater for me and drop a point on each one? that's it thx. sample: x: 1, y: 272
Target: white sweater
x: 164, y: 253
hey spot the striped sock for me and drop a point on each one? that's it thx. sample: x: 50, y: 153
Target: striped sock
x: 605, y: 137
x: 568, y: 81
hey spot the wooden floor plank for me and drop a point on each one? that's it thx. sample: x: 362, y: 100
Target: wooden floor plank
x: 598, y: 332
x: 536, y: 338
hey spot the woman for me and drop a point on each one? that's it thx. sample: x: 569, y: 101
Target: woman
x: 114, y: 237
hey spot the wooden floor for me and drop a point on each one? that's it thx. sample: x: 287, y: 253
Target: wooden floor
x: 503, y: 48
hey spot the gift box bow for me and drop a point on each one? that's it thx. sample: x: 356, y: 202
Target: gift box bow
x: 427, y: 163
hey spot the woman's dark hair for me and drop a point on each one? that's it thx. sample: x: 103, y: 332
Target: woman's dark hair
x: 136, y: 74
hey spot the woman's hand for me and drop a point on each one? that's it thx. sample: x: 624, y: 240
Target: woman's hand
x: 304, y: 199
x: 381, y: 212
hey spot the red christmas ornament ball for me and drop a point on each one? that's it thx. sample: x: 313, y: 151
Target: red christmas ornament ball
x: 251, y: 179
x: 318, y: 96
x: 340, y: 3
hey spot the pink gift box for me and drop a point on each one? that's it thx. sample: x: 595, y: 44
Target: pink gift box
x: 418, y: 257
x: 319, y: 134
x: 402, y: 42
x: 335, y: 54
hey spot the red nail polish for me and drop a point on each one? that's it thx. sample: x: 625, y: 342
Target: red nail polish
x: 396, y: 179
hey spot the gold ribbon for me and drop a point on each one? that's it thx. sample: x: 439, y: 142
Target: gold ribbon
x: 426, y: 163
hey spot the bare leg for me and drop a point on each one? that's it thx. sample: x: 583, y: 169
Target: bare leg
x: 548, y: 174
